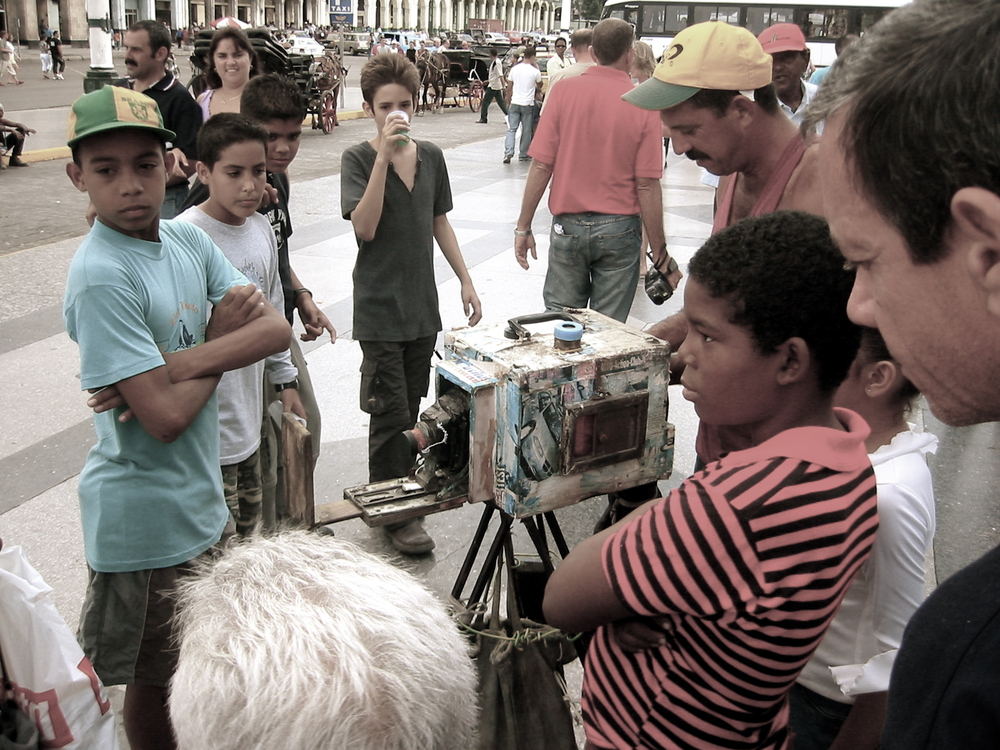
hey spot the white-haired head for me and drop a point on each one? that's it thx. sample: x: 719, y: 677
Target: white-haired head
x: 303, y: 641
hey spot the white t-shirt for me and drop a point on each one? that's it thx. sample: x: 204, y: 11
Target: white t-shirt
x: 252, y: 249
x: 857, y: 653
x: 524, y: 78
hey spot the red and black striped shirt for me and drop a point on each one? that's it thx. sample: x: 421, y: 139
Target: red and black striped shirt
x: 744, y: 565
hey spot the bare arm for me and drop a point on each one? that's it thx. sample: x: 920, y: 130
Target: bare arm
x: 651, y: 212
x: 313, y: 319
x: 445, y: 236
x: 167, y: 399
x: 244, y: 328
x: 578, y: 596
x: 368, y: 213
x: 164, y: 408
x: 673, y: 330
x: 534, y: 188
x: 804, y: 191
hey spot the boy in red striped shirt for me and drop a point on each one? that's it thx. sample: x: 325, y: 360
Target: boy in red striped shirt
x: 709, y: 602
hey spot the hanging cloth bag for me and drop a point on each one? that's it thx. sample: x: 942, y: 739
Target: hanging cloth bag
x: 522, y: 695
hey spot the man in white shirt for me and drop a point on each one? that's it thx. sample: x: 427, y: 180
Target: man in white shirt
x: 526, y: 81
x: 786, y: 44
x: 494, y: 86
x: 558, y: 61
x: 583, y: 59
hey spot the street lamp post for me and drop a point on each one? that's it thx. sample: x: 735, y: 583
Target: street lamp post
x: 102, y: 69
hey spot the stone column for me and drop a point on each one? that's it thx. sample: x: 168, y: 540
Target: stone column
x: 180, y: 17
x: 102, y: 69
x: 72, y: 22
x: 567, y: 15
x: 441, y: 10
x: 147, y: 10
x: 117, y: 14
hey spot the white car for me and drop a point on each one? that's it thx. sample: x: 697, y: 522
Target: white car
x: 302, y: 43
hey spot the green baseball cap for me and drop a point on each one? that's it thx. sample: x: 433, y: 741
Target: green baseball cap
x: 115, y: 108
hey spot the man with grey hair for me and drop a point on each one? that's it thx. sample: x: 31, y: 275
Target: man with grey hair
x: 304, y: 641
x: 604, y: 159
x: 911, y: 188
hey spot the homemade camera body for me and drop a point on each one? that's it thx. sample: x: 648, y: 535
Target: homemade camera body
x: 532, y: 423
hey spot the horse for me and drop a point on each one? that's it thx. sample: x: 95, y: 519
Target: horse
x: 433, y: 70
x: 329, y: 74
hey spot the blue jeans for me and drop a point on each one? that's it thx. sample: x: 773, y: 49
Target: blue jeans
x: 593, y: 262
x: 815, y: 719
x: 522, y: 115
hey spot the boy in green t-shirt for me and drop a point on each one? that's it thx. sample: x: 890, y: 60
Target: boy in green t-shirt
x: 398, y: 211
x: 137, y: 300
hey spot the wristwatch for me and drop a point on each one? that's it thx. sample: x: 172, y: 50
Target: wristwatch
x: 279, y: 387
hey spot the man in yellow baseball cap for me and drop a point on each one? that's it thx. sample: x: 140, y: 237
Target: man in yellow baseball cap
x: 714, y: 92
x: 711, y: 55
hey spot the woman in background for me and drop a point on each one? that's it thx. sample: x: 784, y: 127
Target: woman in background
x: 232, y: 62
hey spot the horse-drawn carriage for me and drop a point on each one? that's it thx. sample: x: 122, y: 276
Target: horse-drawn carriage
x: 457, y: 74
x: 319, y: 79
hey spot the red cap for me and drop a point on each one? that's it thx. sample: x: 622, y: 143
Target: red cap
x: 782, y: 37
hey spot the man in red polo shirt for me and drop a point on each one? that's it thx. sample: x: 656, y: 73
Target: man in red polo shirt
x: 605, y: 159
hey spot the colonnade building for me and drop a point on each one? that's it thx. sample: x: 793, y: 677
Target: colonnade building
x: 24, y: 18
x: 454, y: 15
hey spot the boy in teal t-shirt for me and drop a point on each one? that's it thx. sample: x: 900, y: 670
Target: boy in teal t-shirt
x: 137, y: 299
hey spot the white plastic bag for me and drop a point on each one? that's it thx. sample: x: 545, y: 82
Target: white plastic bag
x: 53, y: 681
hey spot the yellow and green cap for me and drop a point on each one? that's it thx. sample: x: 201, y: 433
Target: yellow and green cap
x: 708, y: 55
x: 115, y: 108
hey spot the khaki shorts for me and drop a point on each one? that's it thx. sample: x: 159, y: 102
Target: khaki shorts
x: 125, y: 625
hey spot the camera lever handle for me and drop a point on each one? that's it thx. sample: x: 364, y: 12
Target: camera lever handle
x: 515, y: 326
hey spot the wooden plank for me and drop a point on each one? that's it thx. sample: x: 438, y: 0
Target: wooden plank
x: 296, y: 447
x: 335, y: 511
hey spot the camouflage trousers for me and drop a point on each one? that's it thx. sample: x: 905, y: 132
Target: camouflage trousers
x: 242, y: 486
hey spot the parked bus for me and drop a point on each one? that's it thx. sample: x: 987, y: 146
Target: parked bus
x: 657, y: 21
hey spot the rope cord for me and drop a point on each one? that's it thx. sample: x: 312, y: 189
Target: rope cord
x: 534, y: 633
